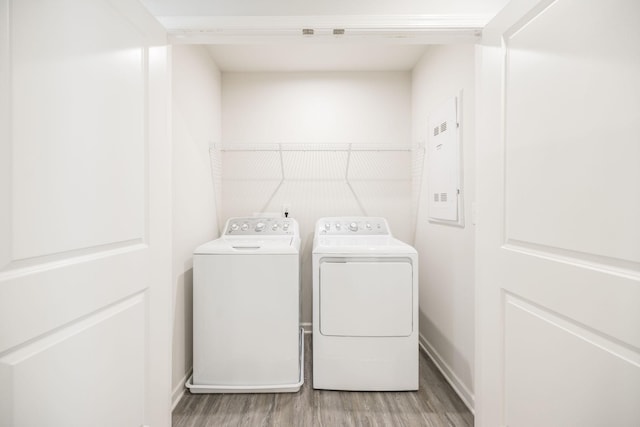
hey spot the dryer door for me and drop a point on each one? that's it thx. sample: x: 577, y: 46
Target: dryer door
x: 366, y: 298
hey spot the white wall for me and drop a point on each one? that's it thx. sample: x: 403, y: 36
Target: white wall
x: 307, y: 112
x: 196, y: 127
x: 447, y: 252
x: 317, y: 107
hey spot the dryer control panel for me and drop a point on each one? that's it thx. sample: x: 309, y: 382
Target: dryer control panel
x: 352, y: 226
x: 251, y: 226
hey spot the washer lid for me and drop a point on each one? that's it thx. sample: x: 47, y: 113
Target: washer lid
x: 249, y: 246
x: 255, y: 235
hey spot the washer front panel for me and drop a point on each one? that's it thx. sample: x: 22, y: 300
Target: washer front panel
x: 246, y: 320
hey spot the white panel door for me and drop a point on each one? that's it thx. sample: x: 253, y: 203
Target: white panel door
x: 84, y: 224
x: 558, y: 243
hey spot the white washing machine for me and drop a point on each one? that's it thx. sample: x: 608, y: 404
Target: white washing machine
x: 246, y: 309
x: 365, y: 307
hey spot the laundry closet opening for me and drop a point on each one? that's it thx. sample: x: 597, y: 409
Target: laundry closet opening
x: 324, y: 128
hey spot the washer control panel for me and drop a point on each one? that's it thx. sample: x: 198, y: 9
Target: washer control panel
x: 251, y: 226
x: 361, y: 226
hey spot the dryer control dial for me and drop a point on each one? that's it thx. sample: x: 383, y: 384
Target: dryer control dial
x: 352, y: 226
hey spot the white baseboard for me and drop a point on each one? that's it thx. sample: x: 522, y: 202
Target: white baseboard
x: 458, y: 386
x: 179, y: 390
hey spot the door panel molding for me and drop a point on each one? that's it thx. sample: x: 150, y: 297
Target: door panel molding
x: 95, y: 364
x: 605, y: 301
x: 599, y: 263
x: 605, y: 342
x: 20, y: 267
x: 541, y: 368
x: 54, y: 336
x: 40, y: 301
x: 582, y: 82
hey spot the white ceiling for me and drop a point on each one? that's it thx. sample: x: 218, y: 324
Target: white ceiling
x: 265, y: 35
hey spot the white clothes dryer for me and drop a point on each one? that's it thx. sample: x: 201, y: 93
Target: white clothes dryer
x: 246, y: 309
x: 365, y: 307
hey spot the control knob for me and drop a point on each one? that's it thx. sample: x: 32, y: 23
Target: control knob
x: 234, y: 227
x: 260, y: 226
x: 353, y: 226
x: 244, y: 227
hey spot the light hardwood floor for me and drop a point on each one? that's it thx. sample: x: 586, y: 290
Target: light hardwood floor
x: 435, y: 404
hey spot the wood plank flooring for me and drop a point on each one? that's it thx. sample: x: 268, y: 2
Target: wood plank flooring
x: 435, y: 404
